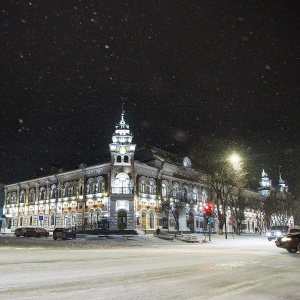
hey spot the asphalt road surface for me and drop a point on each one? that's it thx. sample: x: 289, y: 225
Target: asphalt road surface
x: 145, y: 267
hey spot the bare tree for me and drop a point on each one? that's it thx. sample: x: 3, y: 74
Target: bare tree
x: 278, y: 208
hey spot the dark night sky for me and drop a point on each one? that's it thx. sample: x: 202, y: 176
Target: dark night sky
x: 190, y: 70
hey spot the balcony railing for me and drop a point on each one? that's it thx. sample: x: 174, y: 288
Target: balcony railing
x: 122, y: 190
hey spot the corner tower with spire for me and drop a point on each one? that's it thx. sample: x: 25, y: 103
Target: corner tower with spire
x: 122, y: 177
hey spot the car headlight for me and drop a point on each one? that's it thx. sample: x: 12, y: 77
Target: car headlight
x: 278, y: 233
x: 285, y: 239
x: 268, y: 233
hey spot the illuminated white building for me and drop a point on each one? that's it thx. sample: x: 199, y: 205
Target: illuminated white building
x: 124, y: 194
x: 137, y: 190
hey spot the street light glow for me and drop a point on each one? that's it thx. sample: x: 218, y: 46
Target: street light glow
x: 234, y: 158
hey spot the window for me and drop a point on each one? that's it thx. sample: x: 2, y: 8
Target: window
x: 126, y: 159
x: 152, y: 188
x: 22, y: 197
x: 53, y: 192
x: 118, y: 158
x: 66, y: 191
x: 14, y: 198
x: 100, y: 185
x: 32, y: 195
x: 73, y: 219
x: 65, y: 219
x: 143, y: 186
x: 175, y: 190
x: 122, y: 183
x: 186, y: 194
x: 204, y: 196
x: 195, y: 194
x: 42, y: 194
x: 91, y: 186
x: 52, y: 220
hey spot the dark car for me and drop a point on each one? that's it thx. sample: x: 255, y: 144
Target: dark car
x: 21, y: 231
x: 36, y: 232
x: 31, y: 231
x: 64, y: 233
x: 277, y: 231
x: 290, y: 242
x: 294, y: 229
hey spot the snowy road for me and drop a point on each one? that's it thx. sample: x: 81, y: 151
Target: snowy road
x: 240, y: 268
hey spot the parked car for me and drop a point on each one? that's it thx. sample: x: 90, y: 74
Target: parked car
x: 277, y: 231
x: 21, y: 231
x: 64, y: 233
x: 31, y: 231
x: 290, y: 242
x: 294, y: 229
x: 37, y: 232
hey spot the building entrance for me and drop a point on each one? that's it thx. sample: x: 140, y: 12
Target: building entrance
x: 122, y: 219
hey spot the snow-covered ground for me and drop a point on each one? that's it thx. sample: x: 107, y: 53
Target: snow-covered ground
x: 145, y: 267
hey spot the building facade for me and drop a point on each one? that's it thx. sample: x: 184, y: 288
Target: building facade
x: 123, y: 194
x: 139, y: 189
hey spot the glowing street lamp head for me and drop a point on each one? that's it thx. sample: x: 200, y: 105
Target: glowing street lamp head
x: 234, y: 158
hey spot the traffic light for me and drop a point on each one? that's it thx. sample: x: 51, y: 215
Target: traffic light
x: 208, y: 221
x: 207, y: 209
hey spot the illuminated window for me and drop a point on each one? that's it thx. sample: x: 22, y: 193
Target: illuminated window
x: 175, y: 190
x: 22, y: 197
x: 100, y: 185
x: 65, y: 219
x: 164, y: 190
x: 195, y: 194
x: 152, y: 188
x: 53, y: 192
x: 143, y: 186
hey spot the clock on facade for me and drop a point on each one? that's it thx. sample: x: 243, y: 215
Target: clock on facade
x: 122, y: 149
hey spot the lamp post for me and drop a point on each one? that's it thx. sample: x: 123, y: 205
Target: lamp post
x: 234, y: 160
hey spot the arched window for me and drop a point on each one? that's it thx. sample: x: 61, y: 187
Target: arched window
x: 22, y: 197
x: 91, y: 186
x: 71, y: 191
x: 100, y: 185
x: 8, y: 198
x: 52, y: 220
x: 143, y: 186
x: 186, y: 194
x: 73, y: 219
x: 204, y: 196
x: 195, y: 194
x: 175, y: 190
x: 65, y: 219
x: 122, y: 183
x: 42, y: 193
x: 152, y: 187
x: 53, y: 192
x: 14, y: 198
x: 32, y: 195
x: 80, y: 189
x: 164, y: 190
x: 118, y: 158
x: 66, y: 190
x: 126, y: 159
